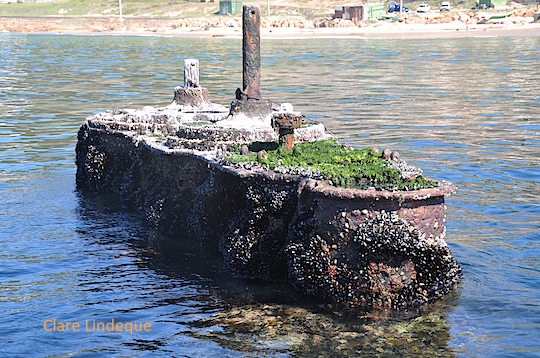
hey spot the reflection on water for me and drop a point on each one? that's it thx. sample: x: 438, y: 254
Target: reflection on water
x: 459, y: 109
x: 189, y: 294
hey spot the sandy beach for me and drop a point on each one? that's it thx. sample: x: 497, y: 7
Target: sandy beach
x: 231, y: 27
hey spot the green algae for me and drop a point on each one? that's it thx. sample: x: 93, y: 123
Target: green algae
x: 340, y: 165
x: 306, y: 332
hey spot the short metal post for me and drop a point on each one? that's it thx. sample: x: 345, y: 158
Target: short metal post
x: 286, y: 123
x: 191, y: 73
x: 191, y: 94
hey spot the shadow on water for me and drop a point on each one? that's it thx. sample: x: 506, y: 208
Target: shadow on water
x: 183, y: 288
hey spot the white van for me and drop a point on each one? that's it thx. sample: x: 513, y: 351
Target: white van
x: 445, y: 6
x: 423, y: 8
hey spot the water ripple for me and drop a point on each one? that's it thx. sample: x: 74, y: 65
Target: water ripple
x: 458, y: 109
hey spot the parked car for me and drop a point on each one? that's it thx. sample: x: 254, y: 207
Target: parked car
x: 423, y: 8
x: 445, y: 6
x: 482, y: 6
x: 395, y: 8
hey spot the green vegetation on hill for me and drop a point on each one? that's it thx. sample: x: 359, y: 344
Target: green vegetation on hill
x: 110, y: 8
x: 187, y: 9
x: 342, y: 166
x: 155, y: 8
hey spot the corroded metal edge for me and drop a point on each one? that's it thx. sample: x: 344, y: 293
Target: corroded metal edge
x: 443, y: 189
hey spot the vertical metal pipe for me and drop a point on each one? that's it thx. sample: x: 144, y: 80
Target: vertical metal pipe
x: 251, y: 50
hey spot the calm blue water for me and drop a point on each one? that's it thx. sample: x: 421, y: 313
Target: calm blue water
x: 465, y: 110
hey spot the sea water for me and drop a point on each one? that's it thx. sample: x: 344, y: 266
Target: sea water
x: 80, y: 276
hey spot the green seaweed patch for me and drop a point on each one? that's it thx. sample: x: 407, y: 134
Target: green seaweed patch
x: 340, y: 165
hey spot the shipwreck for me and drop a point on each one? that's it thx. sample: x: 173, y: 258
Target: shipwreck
x: 215, y: 173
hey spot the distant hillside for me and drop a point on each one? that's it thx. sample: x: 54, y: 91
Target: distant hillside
x: 155, y: 8
x: 192, y: 9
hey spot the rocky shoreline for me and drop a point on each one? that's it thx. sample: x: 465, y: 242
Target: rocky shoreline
x: 433, y: 24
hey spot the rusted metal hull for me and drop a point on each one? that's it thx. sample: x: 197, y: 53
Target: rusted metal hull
x: 354, y: 247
